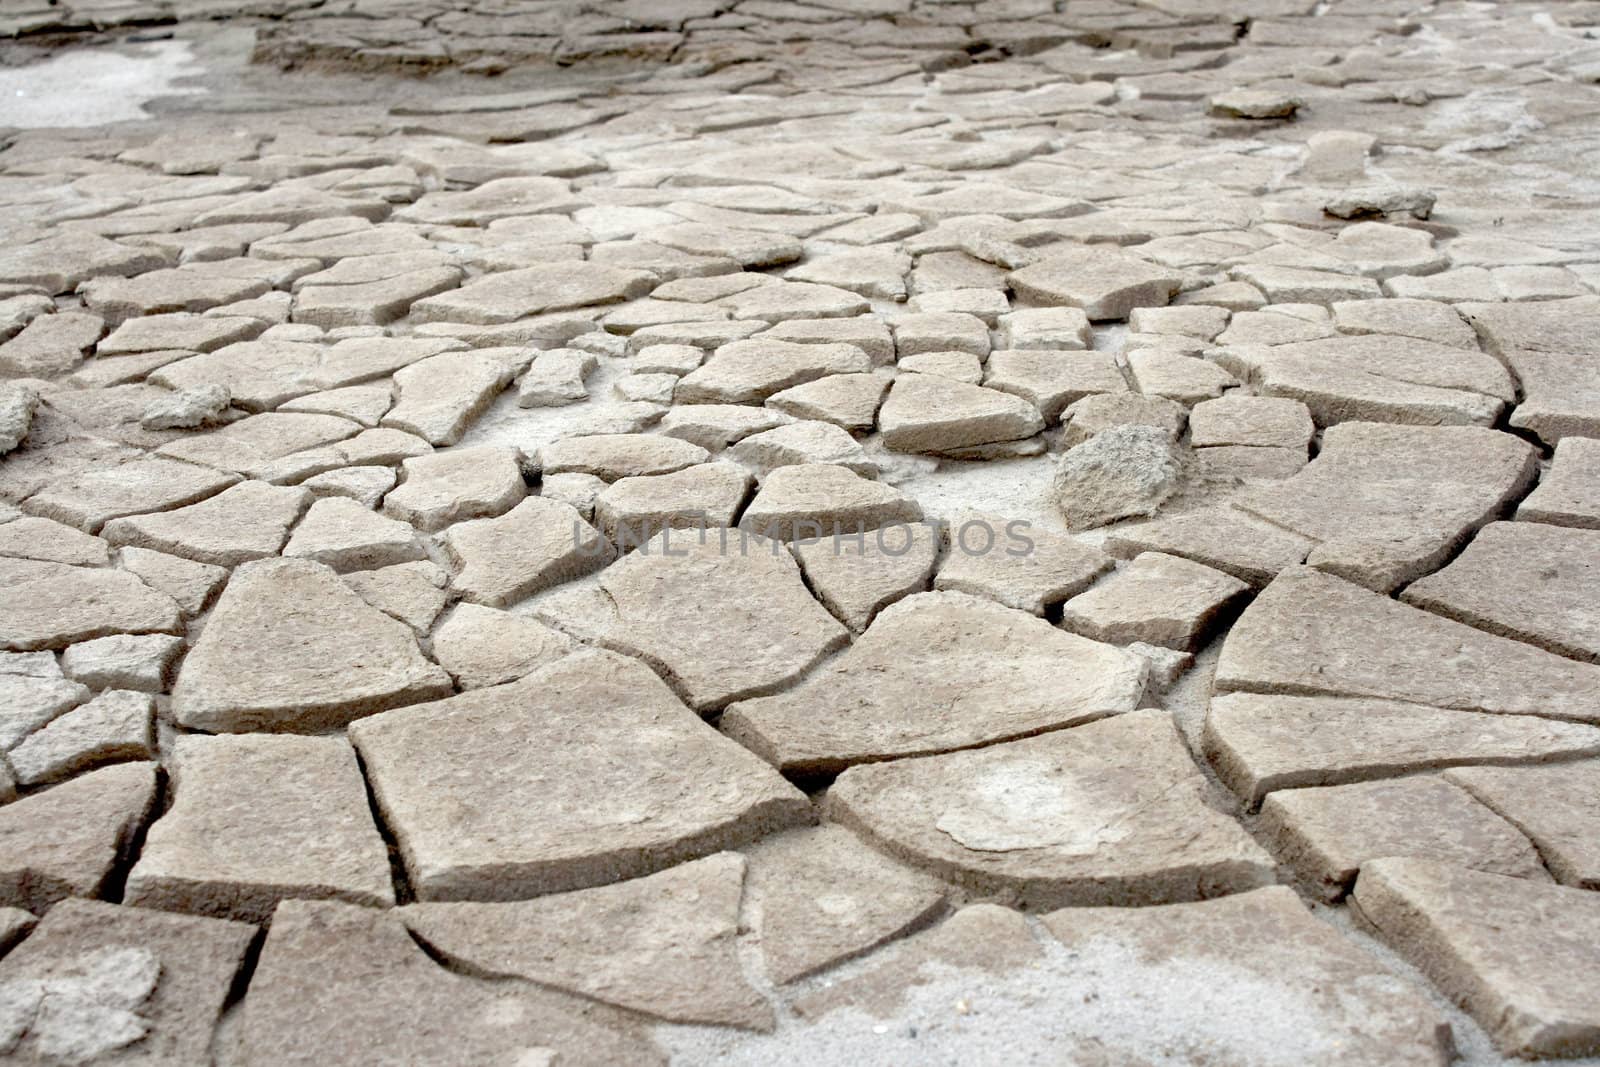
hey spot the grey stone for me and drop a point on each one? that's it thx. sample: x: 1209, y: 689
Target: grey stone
x: 187, y: 409
x: 188, y: 583
x: 1534, y: 582
x: 620, y: 455
x: 1124, y: 471
x: 17, y: 405
x: 414, y: 593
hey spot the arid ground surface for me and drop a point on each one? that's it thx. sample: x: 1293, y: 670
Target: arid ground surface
x: 739, y: 531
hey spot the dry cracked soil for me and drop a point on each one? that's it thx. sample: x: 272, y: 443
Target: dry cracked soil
x: 555, y: 532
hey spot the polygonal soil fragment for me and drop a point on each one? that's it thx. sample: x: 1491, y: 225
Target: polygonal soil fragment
x: 255, y: 820
x: 934, y: 672
x: 1309, y: 634
x: 120, y: 985
x: 290, y: 647
x: 721, y: 615
x: 627, y: 781
x: 1520, y: 956
x: 347, y: 984
x: 1326, y: 834
x: 1259, y: 742
x: 665, y: 944
x: 67, y: 840
x: 1190, y: 980
x: 821, y: 896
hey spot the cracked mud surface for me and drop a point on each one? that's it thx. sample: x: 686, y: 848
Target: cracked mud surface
x: 731, y: 531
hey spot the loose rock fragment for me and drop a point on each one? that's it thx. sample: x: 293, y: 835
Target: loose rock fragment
x: 1124, y: 471
x: 187, y: 409
x: 1254, y: 104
